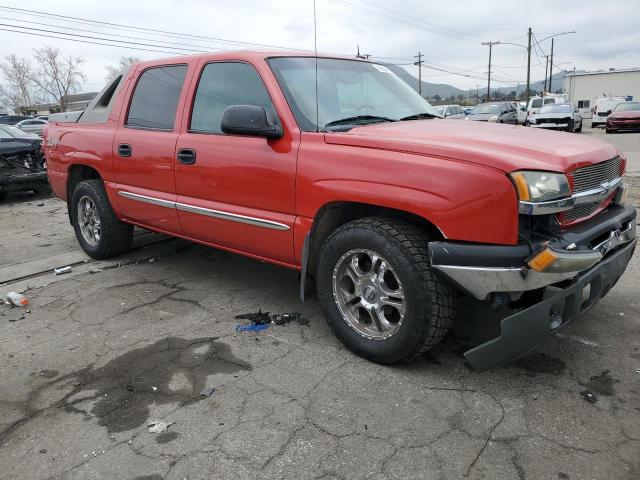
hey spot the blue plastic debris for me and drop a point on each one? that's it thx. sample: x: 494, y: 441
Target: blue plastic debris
x: 259, y: 327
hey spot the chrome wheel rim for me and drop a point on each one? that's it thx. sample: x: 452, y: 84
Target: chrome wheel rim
x: 89, y: 221
x: 369, y: 294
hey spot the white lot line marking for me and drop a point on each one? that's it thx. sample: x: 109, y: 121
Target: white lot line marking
x: 581, y: 340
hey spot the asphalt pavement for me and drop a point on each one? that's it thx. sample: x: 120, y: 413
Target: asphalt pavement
x: 132, y: 369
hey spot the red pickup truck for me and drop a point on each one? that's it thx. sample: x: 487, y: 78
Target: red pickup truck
x: 335, y: 167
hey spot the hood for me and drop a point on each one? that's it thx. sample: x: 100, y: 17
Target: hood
x: 626, y: 114
x: 481, y: 116
x: 503, y: 147
x: 553, y: 115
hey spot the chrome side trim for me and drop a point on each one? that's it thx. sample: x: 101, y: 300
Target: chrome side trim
x: 144, y: 199
x: 234, y: 217
x: 594, y: 195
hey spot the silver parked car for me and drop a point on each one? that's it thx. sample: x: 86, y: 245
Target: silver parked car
x: 451, y: 111
x: 32, y: 125
x: 559, y: 116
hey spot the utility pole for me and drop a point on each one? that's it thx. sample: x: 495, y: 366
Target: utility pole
x: 419, y: 64
x: 551, y: 68
x: 546, y: 70
x: 528, y: 64
x: 491, y: 44
x: 477, y: 95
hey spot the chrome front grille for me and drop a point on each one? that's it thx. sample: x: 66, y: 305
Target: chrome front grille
x: 579, y: 211
x: 587, y: 178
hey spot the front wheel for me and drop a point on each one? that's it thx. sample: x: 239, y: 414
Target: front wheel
x: 379, y: 293
x: 98, y: 230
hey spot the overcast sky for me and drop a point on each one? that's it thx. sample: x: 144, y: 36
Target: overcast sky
x: 448, y: 33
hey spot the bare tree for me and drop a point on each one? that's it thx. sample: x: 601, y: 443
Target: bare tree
x: 114, y: 70
x: 17, y: 93
x: 56, y: 76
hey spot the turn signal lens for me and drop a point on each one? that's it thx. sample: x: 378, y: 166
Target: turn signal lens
x: 542, y: 260
x: 521, y: 185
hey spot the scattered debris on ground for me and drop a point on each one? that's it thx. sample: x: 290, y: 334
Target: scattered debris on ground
x: 589, y: 396
x: 62, y: 270
x: 261, y: 320
x: 602, y: 383
x: 16, y: 299
x: 40, y: 204
x: 207, y: 392
x: 156, y: 426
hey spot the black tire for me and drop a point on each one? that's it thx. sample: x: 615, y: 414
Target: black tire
x: 115, y: 236
x: 579, y: 129
x: 430, y: 301
x: 608, y: 131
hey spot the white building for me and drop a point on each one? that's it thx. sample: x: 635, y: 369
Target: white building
x: 585, y: 88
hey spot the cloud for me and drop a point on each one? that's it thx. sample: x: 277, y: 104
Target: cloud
x: 448, y: 33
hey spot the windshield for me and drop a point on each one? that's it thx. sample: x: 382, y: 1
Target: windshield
x: 440, y: 110
x: 627, y: 107
x: 536, y: 103
x: 346, y: 89
x: 558, y: 108
x: 486, y: 108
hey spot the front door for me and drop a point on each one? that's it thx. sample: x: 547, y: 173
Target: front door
x: 236, y: 192
x: 144, y: 150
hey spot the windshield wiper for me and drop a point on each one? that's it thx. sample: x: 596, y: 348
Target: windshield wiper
x: 418, y: 116
x: 357, y: 119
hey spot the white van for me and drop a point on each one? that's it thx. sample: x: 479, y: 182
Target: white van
x: 602, y: 109
x: 535, y: 103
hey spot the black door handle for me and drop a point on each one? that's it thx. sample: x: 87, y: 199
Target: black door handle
x: 187, y: 156
x: 124, y: 150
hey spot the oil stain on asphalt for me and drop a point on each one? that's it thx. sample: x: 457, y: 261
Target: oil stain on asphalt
x: 124, y: 389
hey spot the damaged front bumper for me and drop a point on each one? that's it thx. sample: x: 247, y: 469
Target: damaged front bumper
x: 25, y: 181
x: 594, y: 256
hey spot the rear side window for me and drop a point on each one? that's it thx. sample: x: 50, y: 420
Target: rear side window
x: 536, y: 103
x: 155, y: 98
x: 223, y: 84
x: 547, y: 101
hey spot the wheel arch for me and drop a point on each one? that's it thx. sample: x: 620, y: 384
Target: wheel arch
x: 77, y: 173
x: 336, y: 213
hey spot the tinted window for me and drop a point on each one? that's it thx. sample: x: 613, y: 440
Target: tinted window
x: 222, y: 85
x: 547, y: 101
x: 536, y: 103
x: 155, y: 98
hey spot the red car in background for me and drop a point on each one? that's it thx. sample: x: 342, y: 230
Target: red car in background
x: 625, y: 117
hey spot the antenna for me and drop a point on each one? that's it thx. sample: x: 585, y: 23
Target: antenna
x: 315, y: 49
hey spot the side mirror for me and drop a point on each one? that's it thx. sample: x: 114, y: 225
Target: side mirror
x: 250, y: 120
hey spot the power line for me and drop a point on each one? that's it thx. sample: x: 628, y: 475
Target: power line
x: 71, y: 19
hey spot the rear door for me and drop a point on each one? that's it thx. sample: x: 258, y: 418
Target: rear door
x: 236, y: 192
x: 145, y: 145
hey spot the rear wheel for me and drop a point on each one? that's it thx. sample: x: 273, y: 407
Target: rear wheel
x: 98, y: 230
x: 378, y: 292
x: 579, y: 129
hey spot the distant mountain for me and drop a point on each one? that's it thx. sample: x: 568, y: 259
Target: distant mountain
x: 428, y: 89
x: 445, y: 90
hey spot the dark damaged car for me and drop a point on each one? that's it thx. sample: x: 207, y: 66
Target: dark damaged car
x: 22, y: 165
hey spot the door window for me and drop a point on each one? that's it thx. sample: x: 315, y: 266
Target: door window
x: 223, y: 84
x: 155, y: 98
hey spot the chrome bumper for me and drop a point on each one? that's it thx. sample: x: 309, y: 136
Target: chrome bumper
x: 480, y: 281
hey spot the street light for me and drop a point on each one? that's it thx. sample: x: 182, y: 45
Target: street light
x: 528, y: 48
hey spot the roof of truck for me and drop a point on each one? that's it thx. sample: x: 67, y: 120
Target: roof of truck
x: 249, y: 55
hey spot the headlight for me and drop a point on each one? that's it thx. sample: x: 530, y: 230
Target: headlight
x: 542, y: 192
x: 493, y: 119
x: 532, y: 120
